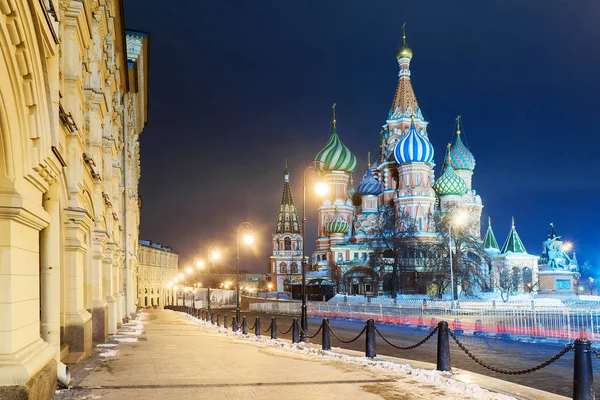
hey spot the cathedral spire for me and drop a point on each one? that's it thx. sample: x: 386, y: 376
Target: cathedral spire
x: 333, y: 120
x: 287, y: 219
x: 513, y: 243
x: 405, y: 102
x: 489, y: 242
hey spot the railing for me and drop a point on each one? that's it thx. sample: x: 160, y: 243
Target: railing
x: 583, y: 388
x: 544, y: 322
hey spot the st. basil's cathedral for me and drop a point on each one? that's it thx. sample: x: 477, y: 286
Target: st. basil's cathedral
x: 402, y: 176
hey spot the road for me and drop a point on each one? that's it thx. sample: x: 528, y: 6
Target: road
x: 501, y: 353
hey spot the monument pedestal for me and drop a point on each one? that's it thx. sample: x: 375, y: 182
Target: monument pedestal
x: 557, y: 281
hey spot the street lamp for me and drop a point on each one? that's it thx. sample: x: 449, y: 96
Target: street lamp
x: 458, y: 220
x: 248, y: 239
x: 321, y: 189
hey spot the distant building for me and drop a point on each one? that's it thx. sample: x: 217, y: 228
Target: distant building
x: 157, y: 265
x: 286, y: 261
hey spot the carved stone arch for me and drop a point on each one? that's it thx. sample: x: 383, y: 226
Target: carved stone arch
x: 88, y: 203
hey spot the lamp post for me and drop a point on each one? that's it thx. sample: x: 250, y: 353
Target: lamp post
x: 211, y: 257
x: 248, y: 239
x: 458, y: 219
x: 321, y: 190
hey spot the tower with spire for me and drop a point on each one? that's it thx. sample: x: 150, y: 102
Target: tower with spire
x: 338, y: 163
x: 286, y: 260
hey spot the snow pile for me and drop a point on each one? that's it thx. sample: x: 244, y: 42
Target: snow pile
x: 441, y: 379
x: 106, y: 345
x: 109, y: 353
x: 124, y: 339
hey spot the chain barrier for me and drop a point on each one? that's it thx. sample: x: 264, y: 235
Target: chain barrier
x: 286, y: 332
x: 268, y: 329
x: 311, y: 336
x: 564, y: 351
x: 347, y: 341
x: 596, y: 352
x: 414, y: 346
x: 251, y: 328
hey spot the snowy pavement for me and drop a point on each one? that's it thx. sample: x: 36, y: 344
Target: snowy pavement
x: 168, y: 355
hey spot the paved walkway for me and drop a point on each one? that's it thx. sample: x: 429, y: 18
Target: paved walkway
x: 171, y: 357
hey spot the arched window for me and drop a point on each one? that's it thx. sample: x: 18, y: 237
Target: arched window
x: 527, y: 276
x: 516, y: 279
x: 294, y: 268
x: 283, y: 268
x: 287, y: 242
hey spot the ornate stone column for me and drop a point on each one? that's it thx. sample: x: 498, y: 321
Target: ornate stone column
x: 100, y: 307
x: 108, y: 287
x: 78, y: 321
x: 50, y: 283
x: 118, y: 285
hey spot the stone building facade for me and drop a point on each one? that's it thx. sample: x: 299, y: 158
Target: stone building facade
x: 157, y: 265
x: 73, y: 101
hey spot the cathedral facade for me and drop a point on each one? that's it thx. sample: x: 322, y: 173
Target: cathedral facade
x: 73, y: 102
x: 402, y: 179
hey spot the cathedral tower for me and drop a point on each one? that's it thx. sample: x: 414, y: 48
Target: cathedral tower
x: 338, y: 163
x: 286, y: 261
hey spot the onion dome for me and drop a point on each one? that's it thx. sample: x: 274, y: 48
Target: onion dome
x: 460, y: 156
x: 449, y: 183
x: 335, y: 155
x: 337, y: 224
x: 369, y: 185
x: 404, y: 51
x: 413, y: 147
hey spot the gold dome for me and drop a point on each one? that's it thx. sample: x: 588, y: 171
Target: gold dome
x: 404, y: 51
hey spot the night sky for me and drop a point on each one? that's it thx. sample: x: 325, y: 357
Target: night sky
x: 237, y: 87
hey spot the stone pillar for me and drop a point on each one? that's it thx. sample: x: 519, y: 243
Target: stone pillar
x: 108, y: 287
x: 25, y: 359
x: 50, y: 283
x: 118, y: 287
x: 78, y: 321
x: 131, y: 289
x: 99, y: 305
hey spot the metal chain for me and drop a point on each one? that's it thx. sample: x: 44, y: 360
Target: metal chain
x: 309, y: 336
x: 269, y: 328
x: 414, y: 346
x: 251, y: 328
x: 286, y: 332
x: 564, y: 351
x: 596, y: 352
x: 347, y: 341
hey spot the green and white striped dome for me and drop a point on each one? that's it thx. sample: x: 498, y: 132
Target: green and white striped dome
x: 449, y: 183
x: 335, y: 155
x: 337, y: 224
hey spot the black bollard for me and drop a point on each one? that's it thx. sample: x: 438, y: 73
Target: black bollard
x: 273, y: 328
x: 443, y: 347
x: 257, y: 326
x: 235, y: 327
x: 583, y: 378
x: 218, y: 319
x: 225, y: 321
x: 370, y: 342
x: 325, y: 340
x: 212, y: 318
x: 295, y: 331
x: 244, y: 325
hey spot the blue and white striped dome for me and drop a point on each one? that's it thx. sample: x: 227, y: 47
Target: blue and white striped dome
x: 369, y: 185
x: 413, y: 147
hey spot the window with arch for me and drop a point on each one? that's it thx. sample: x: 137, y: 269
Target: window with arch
x: 294, y: 268
x: 283, y: 268
x: 287, y: 243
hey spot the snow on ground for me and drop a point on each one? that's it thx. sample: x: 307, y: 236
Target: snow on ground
x: 124, y: 339
x: 109, y: 353
x: 106, y: 345
x: 441, y: 379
